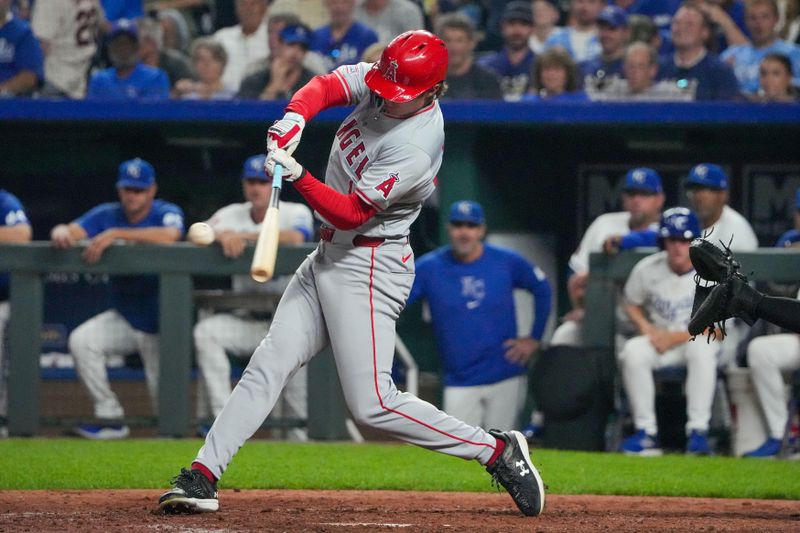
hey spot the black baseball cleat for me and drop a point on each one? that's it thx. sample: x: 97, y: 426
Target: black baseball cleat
x: 515, y: 471
x: 192, y: 493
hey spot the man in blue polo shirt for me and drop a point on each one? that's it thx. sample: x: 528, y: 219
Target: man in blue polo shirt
x: 469, y: 288
x: 513, y: 63
x: 128, y: 78
x: 14, y: 228
x: 131, y: 324
x: 21, y: 59
x: 694, y: 68
x: 343, y: 40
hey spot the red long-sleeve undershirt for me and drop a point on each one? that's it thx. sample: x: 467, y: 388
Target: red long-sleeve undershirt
x: 343, y: 211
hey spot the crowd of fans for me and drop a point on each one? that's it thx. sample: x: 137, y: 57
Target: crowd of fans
x: 516, y: 50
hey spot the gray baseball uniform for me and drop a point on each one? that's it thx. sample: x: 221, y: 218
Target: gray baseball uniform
x: 351, y: 294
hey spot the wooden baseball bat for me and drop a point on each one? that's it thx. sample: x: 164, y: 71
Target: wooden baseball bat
x: 263, y: 266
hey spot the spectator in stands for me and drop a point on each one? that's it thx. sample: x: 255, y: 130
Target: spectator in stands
x: 127, y: 78
x: 389, y: 18
x: 21, y: 61
x: 658, y: 298
x: 312, y: 13
x: 790, y: 31
x: 642, y: 29
x: 343, y: 40
x: 208, y: 59
x: 469, y: 288
x: 658, y: 12
x: 707, y: 189
x: 67, y: 31
x: 175, y: 31
x: 580, y: 38
x: 554, y: 78
x: 762, y: 20
x: 465, y: 77
x: 14, y: 228
x: 122, y: 9
x: 603, y: 71
x: 791, y: 238
x: 769, y: 357
x: 285, y: 73
x: 693, y: 66
x: 238, y: 333
x: 373, y: 53
x: 132, y: 323
x: 312, y: 61
x: 728, y: 26
x: 246, y: 43
x: 642, y: 201
x: 513, y: 63
x: 775, y: 80
x: 153, y: 53
x: 545, y: 22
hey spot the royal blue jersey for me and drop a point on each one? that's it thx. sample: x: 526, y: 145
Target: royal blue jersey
x: 746, y: 60
x: 135, y: 297
x: 345, y: 51
x: 514, y: 79
x: 659, y: 11
x: 472, y: 307
x: 122, y: 9
x: 597, y: 68
x: 144, y: 82
x: 19, y: 50
x: 11, y: 214
x: 715, y: 79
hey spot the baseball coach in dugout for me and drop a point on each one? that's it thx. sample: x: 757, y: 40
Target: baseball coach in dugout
x: 350, y: 291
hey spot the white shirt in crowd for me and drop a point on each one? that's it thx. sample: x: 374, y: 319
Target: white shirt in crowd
x: 732, y: 224
x: 398, y: 16
x: 246, y: 53
x: 603, y: 227
x: 665, y: 296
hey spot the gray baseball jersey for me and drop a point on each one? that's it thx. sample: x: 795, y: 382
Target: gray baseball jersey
x: 350, y: 296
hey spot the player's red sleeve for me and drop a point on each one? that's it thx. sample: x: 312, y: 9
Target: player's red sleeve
x: 322, y: 92
x: 344, y: 211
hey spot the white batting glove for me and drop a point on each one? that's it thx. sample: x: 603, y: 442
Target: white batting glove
x: 291, y: 168
x: 284, y: 134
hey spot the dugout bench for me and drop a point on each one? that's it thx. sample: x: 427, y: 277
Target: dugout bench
x: 175, y: 266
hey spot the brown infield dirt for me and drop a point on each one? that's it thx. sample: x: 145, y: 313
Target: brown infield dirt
x: 336, y: 511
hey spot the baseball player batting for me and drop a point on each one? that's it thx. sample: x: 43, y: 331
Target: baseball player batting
x: 350, y: 291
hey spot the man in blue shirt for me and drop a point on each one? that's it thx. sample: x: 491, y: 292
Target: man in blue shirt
x: 762, y: 18
x: 14, y: 228
x: 343, y: 40
x: 604, y: 70
x: 122, y: 9
x: 128, y: 78
x: 131, y: 324
x: 513, y: 63
x: 693, y: 67
x: 469, y: 288
x: 791, y: 238
x: 21, y: 59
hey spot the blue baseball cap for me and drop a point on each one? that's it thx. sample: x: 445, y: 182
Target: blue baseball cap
x: 707, y: 175
x: 124, y: 26
x: 254, y: 168
x: 466, y: 211
x: 643, y: 179
x: 614, y: 16
x: 296, y: 34
x: 136, y: 174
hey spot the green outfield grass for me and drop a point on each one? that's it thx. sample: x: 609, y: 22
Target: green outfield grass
x: 79, y: 464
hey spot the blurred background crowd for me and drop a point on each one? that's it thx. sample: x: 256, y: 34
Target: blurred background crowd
x: 642, y: 50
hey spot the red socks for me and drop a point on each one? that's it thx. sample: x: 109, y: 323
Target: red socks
x: 204, y: 470
x: 501, y: 445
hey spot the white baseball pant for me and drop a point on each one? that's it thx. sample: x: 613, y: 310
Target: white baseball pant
x: 767, y: 358
x: 4, y: 312
x: 496, y: 405
x: 221, y: 333
x: 351, y: 298
x: 103, y: 335
x: 639, y: 359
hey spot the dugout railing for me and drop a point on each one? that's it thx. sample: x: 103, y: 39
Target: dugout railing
x: 175, y: 265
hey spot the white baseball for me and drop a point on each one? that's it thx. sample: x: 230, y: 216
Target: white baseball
x: 200, y: 233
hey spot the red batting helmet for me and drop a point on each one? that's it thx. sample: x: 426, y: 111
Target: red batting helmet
x: 411, y: 64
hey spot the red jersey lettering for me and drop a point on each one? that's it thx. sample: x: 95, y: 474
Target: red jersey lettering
x: 355, y: 152
x: 361, y: 166
x: 345, y: 128
x: 386, y: 186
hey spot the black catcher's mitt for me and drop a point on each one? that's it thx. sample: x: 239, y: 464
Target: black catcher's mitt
x: 722, y: 291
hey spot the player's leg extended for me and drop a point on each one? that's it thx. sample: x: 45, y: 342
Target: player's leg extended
x: 701, y: 375
x: 297, y: 334
x: 89, y: 344
x: 638, y: 359
x: 767, y: 358
x: 362, y: 291
x: 148, y: 346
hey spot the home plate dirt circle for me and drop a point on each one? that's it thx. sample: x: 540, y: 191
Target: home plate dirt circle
x: 340, y: 511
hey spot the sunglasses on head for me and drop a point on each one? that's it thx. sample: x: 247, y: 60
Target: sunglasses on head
x: 463, y: 224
